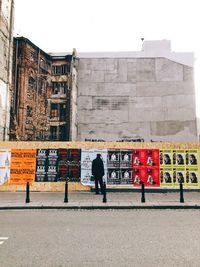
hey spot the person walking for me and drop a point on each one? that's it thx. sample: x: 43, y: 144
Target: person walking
x: 98, y: 173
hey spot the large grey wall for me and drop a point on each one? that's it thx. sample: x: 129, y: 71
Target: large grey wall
x: 150, y: 98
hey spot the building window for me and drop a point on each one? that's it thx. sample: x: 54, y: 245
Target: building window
x: 58, y: 111
x: 59, y: 88
x: 31, y: 83
x: 63, y: 133
x: 53, y: 133
x: 43, y: 64
x: 55, y: 88
x: 58, y: 133
x: 29, y: 111
x: 61, y: 69
x: 42, y: 86
x: 32, y: 56
x: 54, y: 110
x: 63, y: 112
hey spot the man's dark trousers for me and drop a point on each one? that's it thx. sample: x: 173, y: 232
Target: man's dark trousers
x: 99, y: 180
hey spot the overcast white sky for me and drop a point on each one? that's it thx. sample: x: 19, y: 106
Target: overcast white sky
x: 109, y: 25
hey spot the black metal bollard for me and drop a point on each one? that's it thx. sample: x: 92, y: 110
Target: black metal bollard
x: 66, y: 192
x: 143, y: 193
x: 104, y: 192
x: 181, y: 193
x: 27, y: 193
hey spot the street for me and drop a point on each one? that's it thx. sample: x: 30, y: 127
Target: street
x: 99, y: 238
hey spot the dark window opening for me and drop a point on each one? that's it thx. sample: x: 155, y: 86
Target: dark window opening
x: 32, y: 56
x: 61, y: 69
x: 58, y: 111
x: 58, y: 133
x: 42, y: 86
x: 43, y: 64
x: 63, y: 133
x: 54, y: 110
x: 31, y: 83
x: 63, y: 111
x: 59, y: 88
x: 53, y: 133
x: 29, y: 111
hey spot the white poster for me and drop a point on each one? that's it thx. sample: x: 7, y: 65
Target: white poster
x: 5, y: 158
x: 4, y: 175
x: 87, y: 156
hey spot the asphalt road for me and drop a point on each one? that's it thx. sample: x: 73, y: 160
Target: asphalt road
x: 100, y: 238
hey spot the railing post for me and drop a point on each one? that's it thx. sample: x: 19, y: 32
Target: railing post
x: 181, y: 193
x: 27, y: 193
x: 66, y: 192
x: 143, y: 193
x: 104, y: 192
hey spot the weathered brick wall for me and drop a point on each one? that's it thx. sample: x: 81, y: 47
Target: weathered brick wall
x: 30, y: 83
x: 44, y: 94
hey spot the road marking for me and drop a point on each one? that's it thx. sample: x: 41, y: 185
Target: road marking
x: 3, y: 238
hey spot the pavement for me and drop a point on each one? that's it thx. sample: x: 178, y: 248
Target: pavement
x: 88, y: 200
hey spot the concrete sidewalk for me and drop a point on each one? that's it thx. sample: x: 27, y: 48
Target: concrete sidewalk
x: 88, y: 200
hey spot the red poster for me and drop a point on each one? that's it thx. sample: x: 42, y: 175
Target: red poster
x: 146, y: 157
x: 150, y: 177
x: 146, y: 167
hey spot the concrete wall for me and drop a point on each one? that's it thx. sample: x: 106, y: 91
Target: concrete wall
x: 6, y: 34
x: 73, y: 100
x: 123, y: 98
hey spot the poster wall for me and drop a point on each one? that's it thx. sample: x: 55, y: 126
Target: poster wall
x: 179, y: 166
x: 74, y: 165
x: 154, y: 167
x: 120, y: 169
x: 146, y: 167
x: 47, y: 165
x: 5, y: 158
x: 58, y: 165
x: 23, y: 165
x: 87, y: 156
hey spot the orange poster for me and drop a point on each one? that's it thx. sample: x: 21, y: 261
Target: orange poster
x: 23, y: 166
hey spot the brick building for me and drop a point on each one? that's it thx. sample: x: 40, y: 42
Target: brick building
x: 44, y: 86
x: 144, y: 95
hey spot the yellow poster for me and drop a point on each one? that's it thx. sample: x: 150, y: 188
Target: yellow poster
x: 179, y: 166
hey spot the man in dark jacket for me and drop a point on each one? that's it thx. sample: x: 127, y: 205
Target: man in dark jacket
x: 98, y: 172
